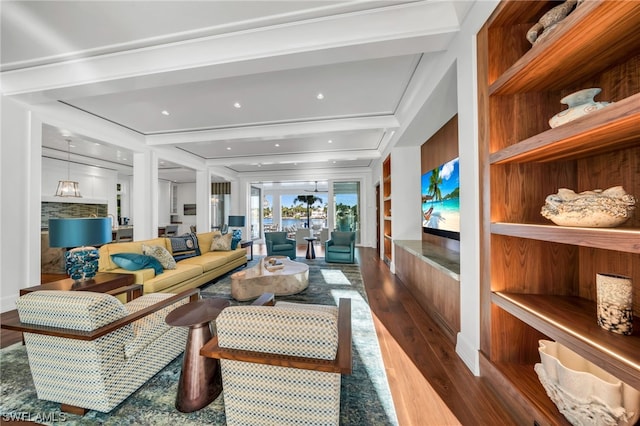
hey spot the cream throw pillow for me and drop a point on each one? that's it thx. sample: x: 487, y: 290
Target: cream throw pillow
x: 162, y: 254
x: 221, y: 242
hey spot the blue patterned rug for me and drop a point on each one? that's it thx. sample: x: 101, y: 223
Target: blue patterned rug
x: 365, y: 395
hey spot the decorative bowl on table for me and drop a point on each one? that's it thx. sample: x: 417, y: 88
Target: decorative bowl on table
x: 593, y: 209
x: 583, y: 392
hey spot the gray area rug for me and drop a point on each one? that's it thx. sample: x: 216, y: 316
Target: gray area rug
x: 365, y: 395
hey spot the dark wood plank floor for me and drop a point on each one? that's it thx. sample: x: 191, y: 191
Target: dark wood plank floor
x: 430, y: 385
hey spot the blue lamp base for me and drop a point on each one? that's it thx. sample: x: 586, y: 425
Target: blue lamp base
x: 82, y: 263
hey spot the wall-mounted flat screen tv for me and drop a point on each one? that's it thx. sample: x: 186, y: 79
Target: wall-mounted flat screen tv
x: 440, y: 190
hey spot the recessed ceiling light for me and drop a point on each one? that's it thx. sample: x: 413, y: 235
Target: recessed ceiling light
x: 334, y: 161
x: 259, y: 165
x: 71, y: 146
x: 277, y: 144
x: 96, y: 143
x: 329, y: 141
x: 228, y: 148
x: 320, y: 96
x: 237, y: 105
x: 164, y: 112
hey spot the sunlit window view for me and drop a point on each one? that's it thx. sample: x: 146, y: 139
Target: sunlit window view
x: 346, y: 200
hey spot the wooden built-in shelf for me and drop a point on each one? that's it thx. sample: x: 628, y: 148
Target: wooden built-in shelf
x: 572, y: 321
x: 524, y: 379
x: 537, y: 279
x: 601, y: 26
x: 614, y: 127
x: 620, y: 239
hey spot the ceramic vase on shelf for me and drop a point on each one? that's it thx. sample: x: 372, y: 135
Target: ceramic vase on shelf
x: 580, y: 103
x: 615, y: 303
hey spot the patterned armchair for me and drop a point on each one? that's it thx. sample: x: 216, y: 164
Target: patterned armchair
x: 282, y: 364
x: 89, y: 351
x: 340, y: 248
x: 279, y: 245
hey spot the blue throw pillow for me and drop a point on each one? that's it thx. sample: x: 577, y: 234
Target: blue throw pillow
x: 135, y: 262
x: 185, y: 246
x: 234, y: 243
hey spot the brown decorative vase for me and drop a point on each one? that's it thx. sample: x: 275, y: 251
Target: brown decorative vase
x: 615, y: 303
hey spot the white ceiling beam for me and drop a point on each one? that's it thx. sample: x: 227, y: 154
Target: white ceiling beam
x: 193, y: 60
x: 275, y: 131
x: 301, y: 158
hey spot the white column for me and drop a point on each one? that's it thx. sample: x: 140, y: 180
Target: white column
x: 203, y: 201
x: 144, y: 198
x: 20, y: 183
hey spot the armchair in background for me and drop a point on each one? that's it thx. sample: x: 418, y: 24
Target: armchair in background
x: 299, y: 365
x: 279, y: 245
x: 89, y: 351
x: 340, y: 248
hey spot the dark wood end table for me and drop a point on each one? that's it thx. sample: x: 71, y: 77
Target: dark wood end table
x: 103, y: 282
x: 200, y: 380
x: 247, y: 243
x: 311, y: 253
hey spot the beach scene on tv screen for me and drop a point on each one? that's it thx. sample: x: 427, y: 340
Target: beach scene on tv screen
x: 441, y: 197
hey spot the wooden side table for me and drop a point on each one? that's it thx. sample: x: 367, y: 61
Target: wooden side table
x: 247, y: 243
x: 200, y: 380
x: 311, y: 253
x: 103, y: 282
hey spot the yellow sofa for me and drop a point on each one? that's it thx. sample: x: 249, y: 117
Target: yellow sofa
x: 189, y: 273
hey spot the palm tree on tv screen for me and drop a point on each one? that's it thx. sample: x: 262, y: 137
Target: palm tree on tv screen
x: 435, y: 181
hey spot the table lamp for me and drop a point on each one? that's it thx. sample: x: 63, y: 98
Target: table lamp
x: 80, y: 234
x: 237, y: 222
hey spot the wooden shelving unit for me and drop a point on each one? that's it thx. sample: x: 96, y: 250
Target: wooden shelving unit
x: 538, y: 279
x: 386, y: 206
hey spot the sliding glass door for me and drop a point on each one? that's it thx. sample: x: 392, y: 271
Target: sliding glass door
x: 346, y: 207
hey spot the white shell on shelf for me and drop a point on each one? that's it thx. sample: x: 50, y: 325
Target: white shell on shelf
x: 583, y: 392
x: 593, y: 209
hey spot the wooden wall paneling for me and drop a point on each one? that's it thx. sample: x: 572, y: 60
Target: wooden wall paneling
x: 593, y: 261
x: 484, y: 189
x: 518, y: 191
x: 523, y: 339
x: 612, y: 169
x: 436, y: 292
x: 441, y: 147
x: 531, y: 266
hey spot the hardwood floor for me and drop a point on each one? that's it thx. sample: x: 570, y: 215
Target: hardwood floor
x: 430, y: 385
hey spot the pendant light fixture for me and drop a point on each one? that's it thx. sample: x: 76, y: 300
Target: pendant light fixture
x: 68, y: 188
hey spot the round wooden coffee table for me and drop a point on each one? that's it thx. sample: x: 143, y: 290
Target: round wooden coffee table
x: 200, y: 380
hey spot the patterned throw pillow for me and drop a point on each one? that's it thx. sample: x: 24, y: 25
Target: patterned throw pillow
x: 162, y: 254
x: 185, y: 246
x: 221, y: 242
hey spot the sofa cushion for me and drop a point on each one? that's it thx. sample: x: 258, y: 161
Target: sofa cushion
x: 184, y: 246
x: 282, y: 247
x: 341, y: 238
x: 214, y: 259
x: 135, y: 261
x: 221, y: 242
x: 339, y: 249
x: 278, y: 238
x: 161, y: 254
x: 205, y: 239
x: 183, y: 272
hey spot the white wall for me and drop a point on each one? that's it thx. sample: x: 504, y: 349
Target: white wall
x: 186, y: 195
